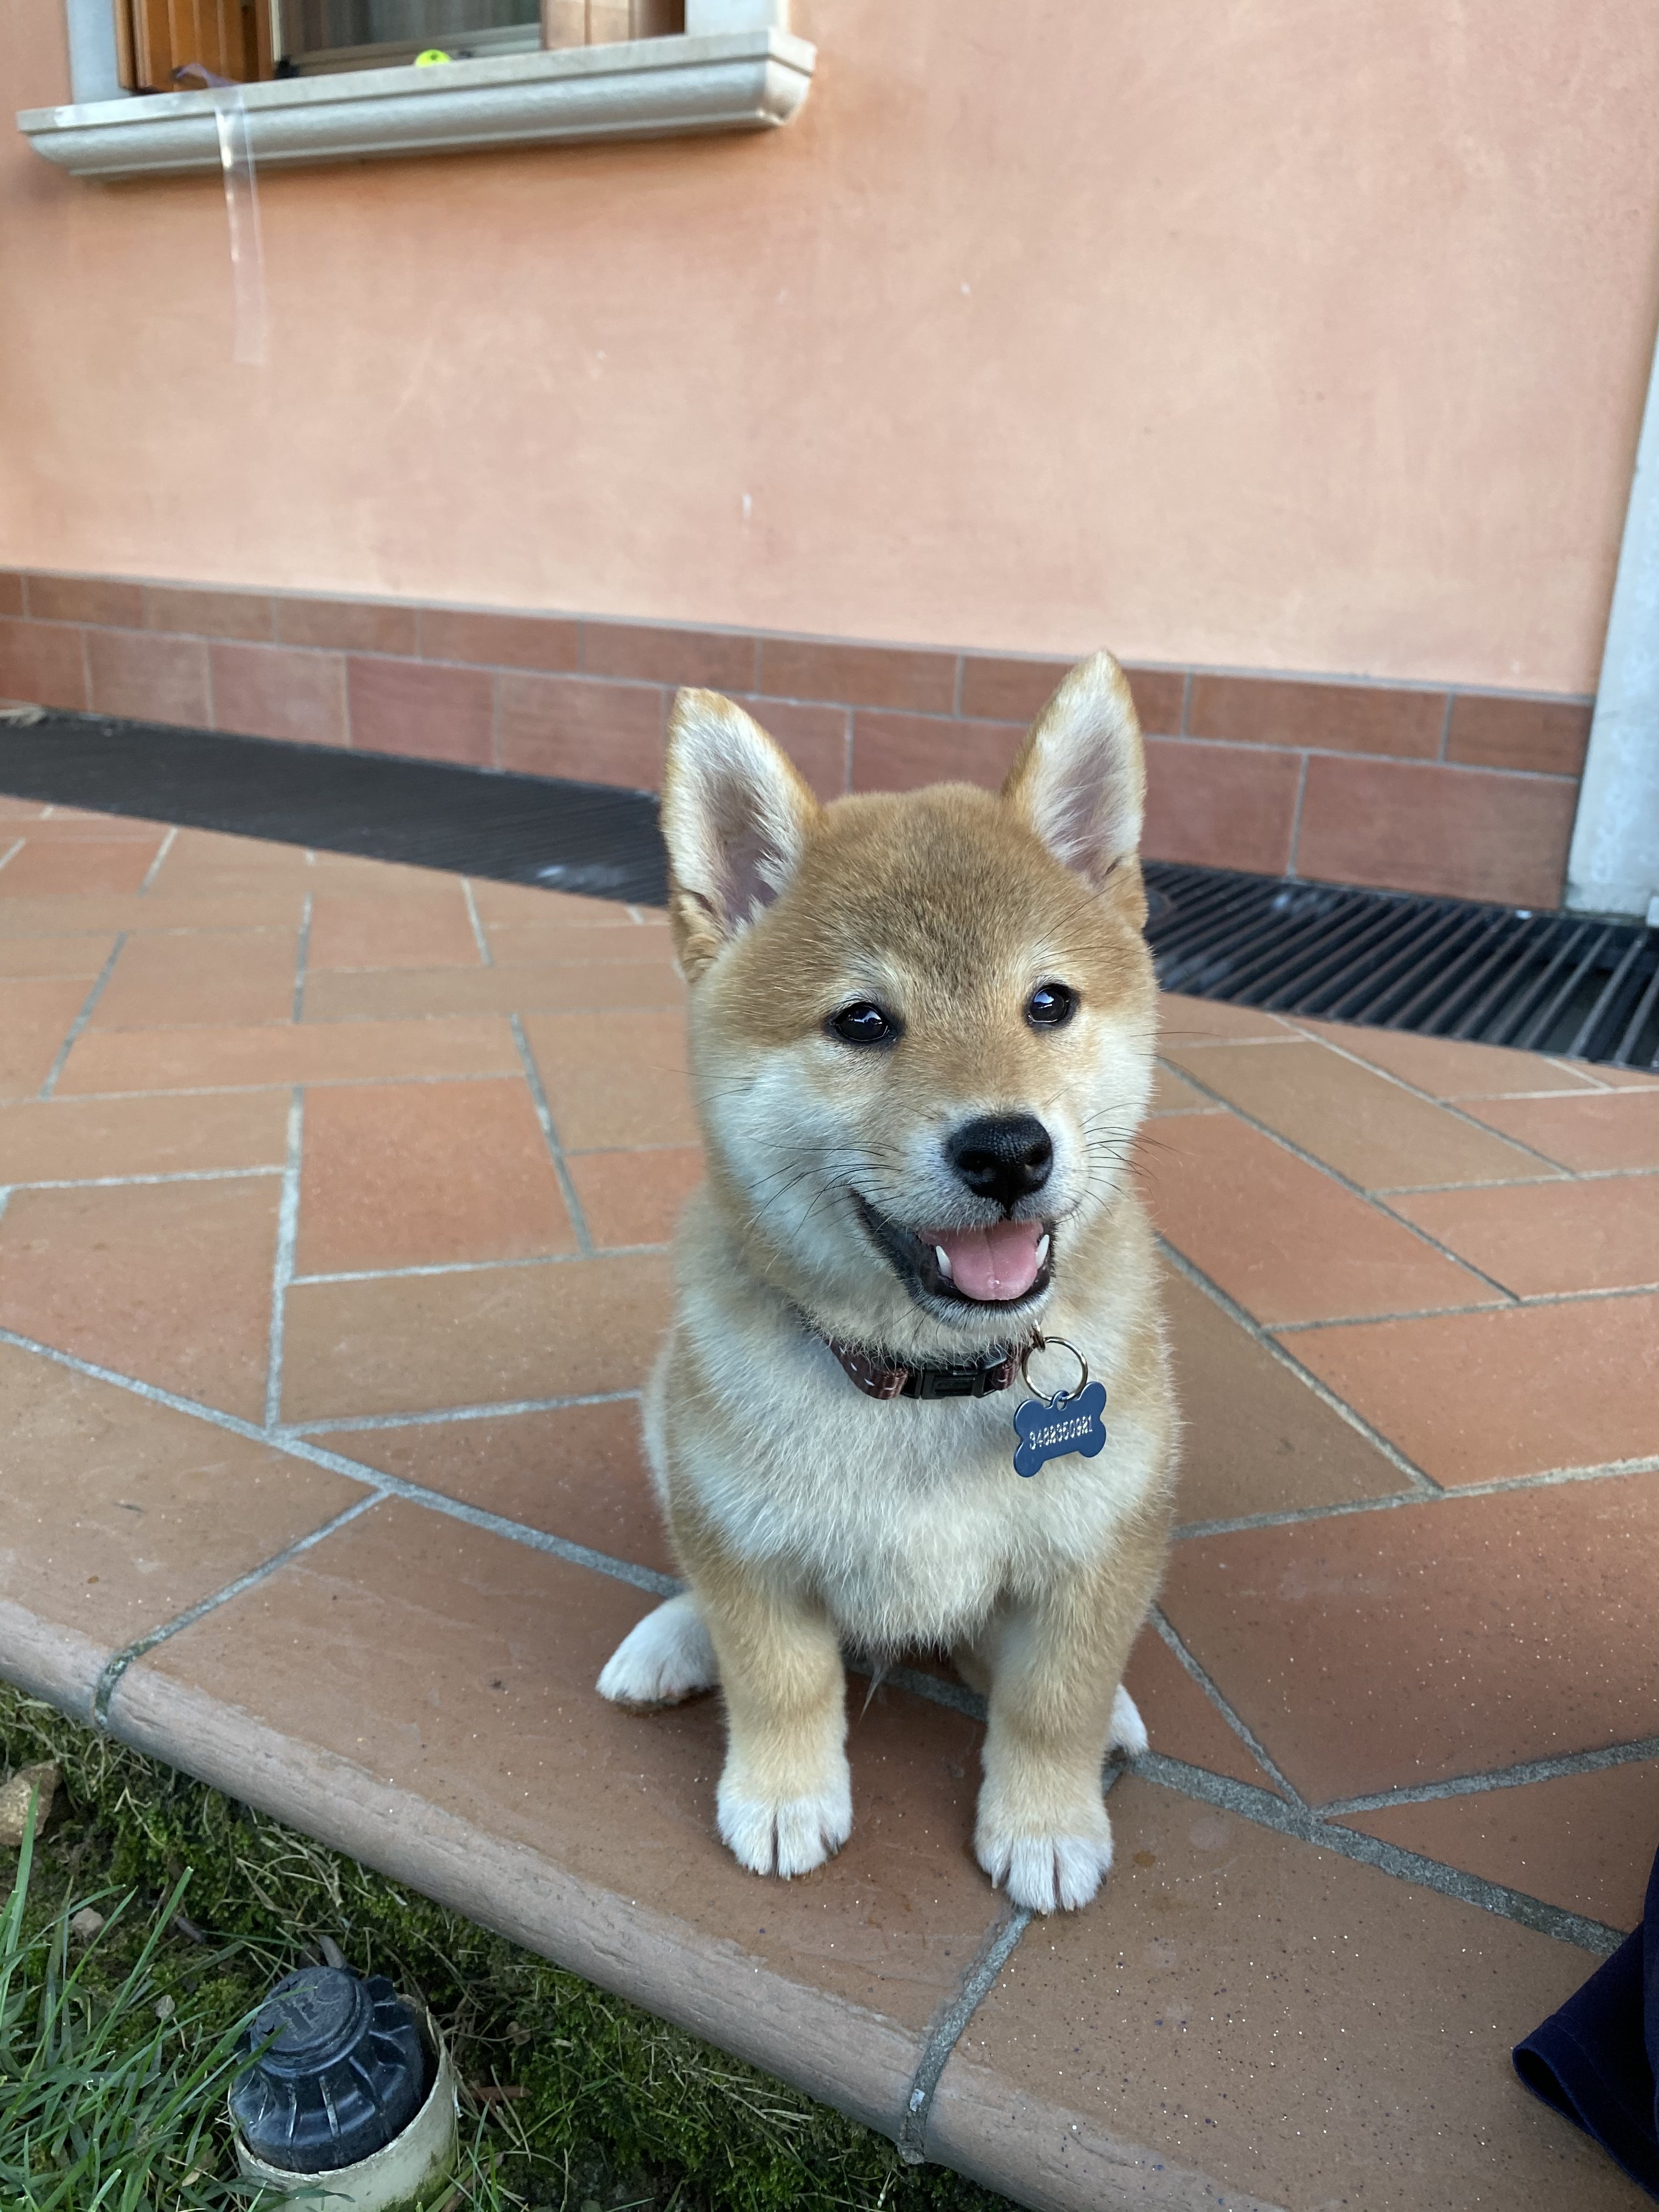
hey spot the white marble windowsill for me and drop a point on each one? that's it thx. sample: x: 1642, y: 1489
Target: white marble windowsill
x: 744, y: 80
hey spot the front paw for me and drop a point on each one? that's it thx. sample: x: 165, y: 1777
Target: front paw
x: 663, y: 1660
x: 785, y: 1835
x: 1056, y: 1870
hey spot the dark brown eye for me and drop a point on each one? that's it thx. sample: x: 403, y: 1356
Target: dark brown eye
x: 864, y: 1023
x: 1050, y: 1005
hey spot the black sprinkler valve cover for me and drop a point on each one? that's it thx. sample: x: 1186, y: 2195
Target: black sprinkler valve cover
x: 341, y: 2070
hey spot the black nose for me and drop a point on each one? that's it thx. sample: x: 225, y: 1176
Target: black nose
x: 1002, y: 1156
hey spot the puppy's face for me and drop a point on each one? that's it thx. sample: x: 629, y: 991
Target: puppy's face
x: 922, y: 1042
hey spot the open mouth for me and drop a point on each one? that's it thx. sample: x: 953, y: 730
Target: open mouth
x: 1005, y: 1265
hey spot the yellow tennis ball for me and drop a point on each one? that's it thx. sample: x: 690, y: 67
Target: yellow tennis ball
x: 432, y: 54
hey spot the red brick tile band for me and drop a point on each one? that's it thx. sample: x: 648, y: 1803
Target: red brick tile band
x: 1465, y: 794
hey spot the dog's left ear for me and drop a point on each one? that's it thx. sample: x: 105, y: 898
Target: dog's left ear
x: 735, y: 818
x: 1080, y: 779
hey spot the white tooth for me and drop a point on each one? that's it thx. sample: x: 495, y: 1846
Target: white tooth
x: 943, y: 1259
x: 1042, y: 1251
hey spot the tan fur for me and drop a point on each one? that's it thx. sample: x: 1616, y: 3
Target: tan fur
x: 805, y: 1515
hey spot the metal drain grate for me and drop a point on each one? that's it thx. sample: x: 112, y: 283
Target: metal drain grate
x: 1549, y: 982
x: 1585, y: 987
x: 582, y: 837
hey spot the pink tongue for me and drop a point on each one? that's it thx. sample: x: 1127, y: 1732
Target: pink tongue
x: 996, y: 1263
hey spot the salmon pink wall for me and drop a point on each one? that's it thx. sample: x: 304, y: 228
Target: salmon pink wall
x: 1306, y: 334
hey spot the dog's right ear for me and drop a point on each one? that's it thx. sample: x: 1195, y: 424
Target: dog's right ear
x: 735, y: 818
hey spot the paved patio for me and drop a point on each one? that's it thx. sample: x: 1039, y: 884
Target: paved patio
x: 332, y: 1263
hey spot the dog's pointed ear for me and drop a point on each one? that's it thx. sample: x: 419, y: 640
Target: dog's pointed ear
x: 735, y: 818
x: 1080, y: 779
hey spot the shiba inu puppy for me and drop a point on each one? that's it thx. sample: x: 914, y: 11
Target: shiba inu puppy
x: 922, y: 1044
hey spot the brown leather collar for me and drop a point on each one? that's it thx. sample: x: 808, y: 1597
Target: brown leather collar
x: 972, y: 1378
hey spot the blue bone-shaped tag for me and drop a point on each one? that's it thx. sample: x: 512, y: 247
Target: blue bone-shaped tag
x: 1050, y: 1428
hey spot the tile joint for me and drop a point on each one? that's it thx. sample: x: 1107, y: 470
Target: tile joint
x: 88, y: 1006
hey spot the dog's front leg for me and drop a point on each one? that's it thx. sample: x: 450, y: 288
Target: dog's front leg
x: 785, y: 1794
x: 1055, y: 1666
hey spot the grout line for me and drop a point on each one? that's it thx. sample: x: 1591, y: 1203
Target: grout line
x: 1550, y: 1479
x: 479, y: 1267
x: 1268, y: 1811
x: 312, y: 1082
x: 11, y: 851
x: 155, y: 868
x: 1564, y: 1181
x: 114, y: 1668
x: 976, y: 1984
x: 1445, y: 725
x: 486, y: 957
x: 302, y: 960
x: 1186, y: 701
x: 1206, y: 1682
x: 499, y: 1409
x: 123, y: 1182
x: 1519, y: 1776
x: 81, y: 1020
x: 1423, y: 1484
x: 5, y: 1199
x: 1296, y: 818
x: 1515, y: 1303
x: 545, y: 1115
x: 288, y: 1223
x: 1347, y: 1182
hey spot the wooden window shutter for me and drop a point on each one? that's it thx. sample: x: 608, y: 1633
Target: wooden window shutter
x: 157, y: 37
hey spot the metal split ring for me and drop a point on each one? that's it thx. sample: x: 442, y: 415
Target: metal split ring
x: 1047, y: 1344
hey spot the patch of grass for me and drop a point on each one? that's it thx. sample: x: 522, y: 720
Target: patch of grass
x: 576, y: 2099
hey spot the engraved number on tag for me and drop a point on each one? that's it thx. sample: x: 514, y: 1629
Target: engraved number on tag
x: 1070, y: 1421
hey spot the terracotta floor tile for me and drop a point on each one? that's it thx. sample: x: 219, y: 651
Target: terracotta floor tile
x: 222, y: 977
x: 167, y: 1282
x: 1379, y: 1650
x: 1605, y: 1129
x: 49, y: 866
x: 1282, y: 1239
x: 1173, y: 1094
x: 120, y: 1513
x: 578, y: 1472
x: 1585, y: 1841
x: 61, y: 824
x: 615, y: 1079
x: 1302, y: 2030
x: 1376, y: 1133
x: 21, y: 809
x: 1181, y: 1721
x: 36, y: 1013
x: 1184, y: 1021
x: 516, y: 942
x: 66, y: 915
x: 1553, y: 1237
x: 209, y: 864
x: 434, y: 930
x: 417, y: 1174
x: 81, y: 957
x: 74, y: 1139
x: 414, y: 1343
x: 300, y: 1052
x: 1478, y: 1397
x: 461, y: 1665
x: 1446, y: 1067
x: 1254, y: 1438
x: 636, y: 1198
x: 381, y: 994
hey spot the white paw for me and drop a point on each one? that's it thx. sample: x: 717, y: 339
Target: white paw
x: 788, y: 1835
x: 1048, y: 1873
x: 1128, y: 1731
x: 665, y: 1657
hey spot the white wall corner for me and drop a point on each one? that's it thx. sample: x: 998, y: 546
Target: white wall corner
x: 1613, y: 865
x: 95, y: 66
x: 736, y: 15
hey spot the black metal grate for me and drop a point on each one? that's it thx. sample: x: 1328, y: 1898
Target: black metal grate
x: 1560, y: 983
x: 1587, y: 987
x: 582, y: 837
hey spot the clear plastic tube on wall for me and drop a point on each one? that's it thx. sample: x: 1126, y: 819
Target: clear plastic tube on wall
x: 247, y: 263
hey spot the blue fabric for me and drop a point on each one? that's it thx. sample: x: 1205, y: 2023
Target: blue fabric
x: 1597, y: 2060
